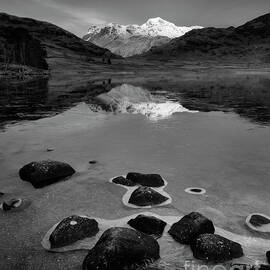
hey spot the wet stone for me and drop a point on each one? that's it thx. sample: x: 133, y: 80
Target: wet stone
x: 215, y: 248
x: 121, y: 248
x: 121, y: 180
x: 148, y: 224
x: 191, y: 226
x: 147, y: 180
x: 146, y: 196
x: 43, y: 173
x: 72, y: 229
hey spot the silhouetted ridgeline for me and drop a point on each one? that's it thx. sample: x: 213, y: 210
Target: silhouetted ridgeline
x: 250, y: 41
x: 28, y: 41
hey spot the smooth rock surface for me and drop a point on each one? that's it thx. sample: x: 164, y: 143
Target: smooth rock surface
x: 191, y: 226
x: 72, y: 229
x: 146, y: 196
x: 43, y: 173
x: 119, y: 248
x: 148, y: 224
x: 215, y: 248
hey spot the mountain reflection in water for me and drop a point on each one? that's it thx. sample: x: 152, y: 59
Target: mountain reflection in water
x: 249, y: 97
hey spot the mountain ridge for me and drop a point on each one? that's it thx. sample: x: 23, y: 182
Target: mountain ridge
x: 132, y: 39
x: 248, y: 41
x: 50, y: 41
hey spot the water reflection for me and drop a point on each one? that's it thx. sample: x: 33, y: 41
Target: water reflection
x: 247, y: 96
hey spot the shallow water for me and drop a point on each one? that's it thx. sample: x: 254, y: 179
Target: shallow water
x: 223, y: 148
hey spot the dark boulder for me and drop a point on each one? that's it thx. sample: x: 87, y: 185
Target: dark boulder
x: 215, y: 248
x: 120, y: 180
x: 268, y: 256
x: 146, y: 196
x: 120, y: 248
x: 72, y: 229
x: 147, y: 180
x: 191, y: 226
x: 148, y: 224
x: 43, y: 173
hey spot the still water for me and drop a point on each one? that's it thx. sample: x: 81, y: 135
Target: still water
x: 213, y: 134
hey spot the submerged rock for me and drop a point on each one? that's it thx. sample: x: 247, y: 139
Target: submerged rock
x: 148, y: 224
x: 259, y: 220
x: 147, y: 180
x: 215, y: 248
x: 146, y: 196
x: 72, y: 229
x: 11, y: 204
x: 121, y: 180
x: 43, y: 173
x: 120, y: 248
x: 191, y: 226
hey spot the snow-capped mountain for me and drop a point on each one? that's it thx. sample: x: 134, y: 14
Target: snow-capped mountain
x: 128, y: 40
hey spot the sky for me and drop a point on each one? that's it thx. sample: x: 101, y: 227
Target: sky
x: 77, y: 15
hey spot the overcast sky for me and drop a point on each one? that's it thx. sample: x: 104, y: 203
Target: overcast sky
x: 77, y: 15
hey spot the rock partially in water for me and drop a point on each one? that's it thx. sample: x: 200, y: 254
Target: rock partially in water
x: 120, y: 248
x: 147, y: 180
x: 146, y: 196
x: 258, y: 222
x: 72, y: 229
x: 121, y: 180
x: 190, y: 227
x: 148, y: 224
x: 268, y: 256
x: 215, y: 248
x: 11, y: 204
x: 43, y: 173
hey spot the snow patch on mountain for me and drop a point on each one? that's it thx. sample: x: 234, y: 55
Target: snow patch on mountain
x: 128, y: 40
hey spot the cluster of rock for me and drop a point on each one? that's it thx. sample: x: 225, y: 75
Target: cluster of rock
x: 148, y: 189
x: 121, y: 247
x: 198, y: 231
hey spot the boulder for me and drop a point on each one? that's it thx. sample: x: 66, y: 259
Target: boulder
x: 147, y: 180
x: 43, y: 173
x: 146, y: 196
x: 190, y: 227
x: 215, y: 248
x: 72, y: 229
x: 268, y: 256
x: 121, y: 180
x: 148, y: 224
x: 121, y: 248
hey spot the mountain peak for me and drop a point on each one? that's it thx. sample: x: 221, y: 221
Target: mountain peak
x: 157, y: 20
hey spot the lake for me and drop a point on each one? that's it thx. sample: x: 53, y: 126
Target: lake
x: 210, y: 132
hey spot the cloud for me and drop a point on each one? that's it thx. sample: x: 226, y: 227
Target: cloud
x: 77, y: 19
